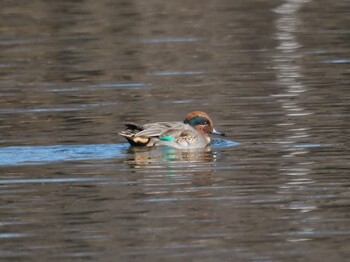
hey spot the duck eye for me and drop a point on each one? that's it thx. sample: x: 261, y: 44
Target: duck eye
x: 205, y: 122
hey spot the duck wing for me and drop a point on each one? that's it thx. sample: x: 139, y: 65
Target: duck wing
x: 161, y: 129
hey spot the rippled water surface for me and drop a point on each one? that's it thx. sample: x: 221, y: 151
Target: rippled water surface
x: 274, y: 75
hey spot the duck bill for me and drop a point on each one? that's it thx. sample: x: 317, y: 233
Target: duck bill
x: 215, y: 132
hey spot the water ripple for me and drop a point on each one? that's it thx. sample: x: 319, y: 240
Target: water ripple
x: 51, y: 180
x: 175, y: 73
x: 170, y: 40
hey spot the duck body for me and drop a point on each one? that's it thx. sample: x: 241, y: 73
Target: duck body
x: 192, y: 133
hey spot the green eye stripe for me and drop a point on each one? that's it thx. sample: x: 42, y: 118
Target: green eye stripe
x: 198, y: 120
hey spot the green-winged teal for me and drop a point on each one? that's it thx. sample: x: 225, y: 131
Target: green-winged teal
x: 192, y: 133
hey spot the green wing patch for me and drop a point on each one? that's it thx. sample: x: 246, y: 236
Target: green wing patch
x: 166, y: 138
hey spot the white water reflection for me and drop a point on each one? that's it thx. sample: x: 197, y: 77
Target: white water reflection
x: 288, y: 73
x: 289, y: 77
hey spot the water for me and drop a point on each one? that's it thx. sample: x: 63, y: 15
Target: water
x: 274, y: 75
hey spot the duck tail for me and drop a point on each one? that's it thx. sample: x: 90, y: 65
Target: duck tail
x: 130, y: 134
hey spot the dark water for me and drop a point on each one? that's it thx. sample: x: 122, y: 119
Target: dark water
x: 274, y: 75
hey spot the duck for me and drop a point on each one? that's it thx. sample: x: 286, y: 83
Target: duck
x: 192, y: 133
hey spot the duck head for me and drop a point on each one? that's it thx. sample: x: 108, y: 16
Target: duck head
x: 202, y: 122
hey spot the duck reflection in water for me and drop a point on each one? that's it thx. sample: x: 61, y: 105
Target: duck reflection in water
x: 169, y: 157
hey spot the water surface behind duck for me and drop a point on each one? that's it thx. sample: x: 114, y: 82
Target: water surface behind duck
x: 274, y: 75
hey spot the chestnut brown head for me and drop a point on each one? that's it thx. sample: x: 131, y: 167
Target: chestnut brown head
x: 202, y: 122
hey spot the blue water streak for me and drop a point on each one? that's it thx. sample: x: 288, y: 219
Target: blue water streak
x: 29, y: 155
x: 19, y: 155
x: 218, y: 143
